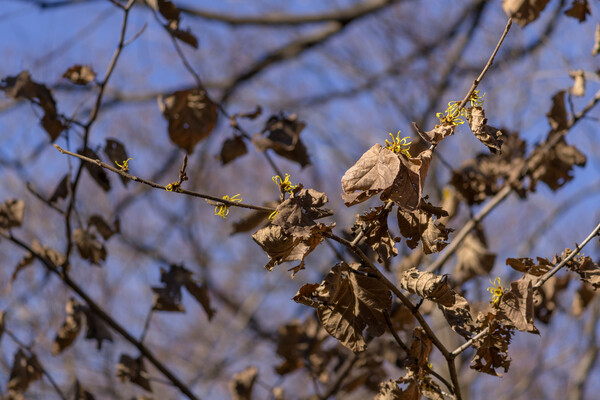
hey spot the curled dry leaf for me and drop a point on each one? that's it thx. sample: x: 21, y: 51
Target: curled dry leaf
x: 373, y: 173
x: 168, y: 297
x: 22, y: 87
x: 102, y: 226
x: 61, y: 191
x: 233, y: 148
x: 283, y: 138
x: 554, y: 167
x: 527, y: 265
x: 472, y: 259
x: 24, y: 371
x: 242, y: 383
x: 429, y: 286
x: 11, y: 213
x: 96, y: 328
x: 557, y: 116
x: 376, y: 233
x: 418, y: 225
x: 578, y: 88
x: 459, y: 317
x: 192, y: 116
x: 435, y: 135
x: 53, y: 257
x: 407, y: 189
x: 389, y: 390
x: 89, y: 247
x: 347, y: 303
x: 116, y: 153
x: 420, y: 349
x: 96, y: 172
x: 492, y: 349
x: 70, y: 328
x: 171, y: 13
x: 293, y: 233
x: 300, y: 344
x: 488, y: 135
x: 524, y: 11
x: 80, y: 74
x: 585, y: 267
x: 516, y: 306
x: 133, y: 370
x: 582, y: 298
x: 579, y: 10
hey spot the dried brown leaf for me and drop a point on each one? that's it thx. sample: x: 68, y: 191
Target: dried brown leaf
x: 389, y: 390
x: 283, y: 138
x: 61, y: 190
x: 80, y: 74
x: 21, y: 86
x: 11, y: 213
x: 516, y: 306
x: 233, y: 148
x: 582, y: 298
x: 492, y: 350
x: 579, y: 10
x: 524, y: 11
x: 557, y: 116
x: 192, y: 116
x: 102, y: 226
x: 96, y: 172
x: 578, y: 88
x: 116, y: 153
x: 459, y: 317
x: 24, y: 371
x: 472, y: 259
x: 300, y: 344
x: 585, y: 267
x: 89, y: 247
x: 347, y: 303
x: 555, y: 165
x: 418, y: 225
x: 242, y: 383
x: 407, y: 189
x: 429, y: 286
x: 70, y: 328
x: 376, y: 233
x: 96, y: 328
x: 186, y: 36
x: 436, y: 135
x: 200, y: 293
x: 527, y: 266
x: 53, y: 257
x: 133, y: 370
x: 486, y: 134
x: 373, y: 173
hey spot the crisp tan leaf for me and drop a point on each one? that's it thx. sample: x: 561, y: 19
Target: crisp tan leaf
x: 52, y: 256
x: 70, y: 328
x: 373, y: 173
x: 24, y: 371
x: 233, y: 148
x: 459, y: 317
x: 472, y: 259
x: 200, y: 293
x: 283, y: 138
x: 96, y: 328
x: 579, y: 10
x: 242, y: 383
x: 555, y: 165
x: 373, y: 224
x: 420, y: 349
x: 389, y: 390
x: 429, y: 286
x: 80, y: 74
x: 192, y: 116
x: 557, y: 116
x: 524, y: 11
x: 22, y: 87
x: 585, y: 267
x: 11, y: 214
x: 527, y: 266
x: 347, y: 303
x: 578, y: 88
x: 89, y: 247
x: 492, y: 350
x: 486, y: 134
x: 407, y: 189
x: 436, y: 135
x: 96, y: 172
x: 300, y: 344
x: 133, y: 370
x: 545, y: 299
x: 418, y: 225
x: 582, y: 298
x: 516, y: 306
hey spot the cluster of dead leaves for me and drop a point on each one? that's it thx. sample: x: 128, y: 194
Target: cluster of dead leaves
x: 282, y: 135
x: 293, y: 233
x: 168, y: 297
x: 172, y: 14
x: 347, y: 302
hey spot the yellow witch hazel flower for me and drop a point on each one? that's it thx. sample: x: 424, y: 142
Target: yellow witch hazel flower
x: 284, y: 184
x: 223, y: 209
x: 124, y: 167
x: 496, y: 290
x: 452, y: 116
x: 399, y: 146
x: 475, y: 99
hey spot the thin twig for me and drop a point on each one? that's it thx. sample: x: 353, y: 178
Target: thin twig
x: 158, y: 186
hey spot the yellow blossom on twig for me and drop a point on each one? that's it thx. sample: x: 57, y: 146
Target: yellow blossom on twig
x: 284, y: 184
x: 452, y: 115
x: 124, y: 167
x: 223, y: 209
x: 496, y: 290
x: 174, y: 187
x: 273, y: 214
x: 398, y: 145
x: 475, y: 99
